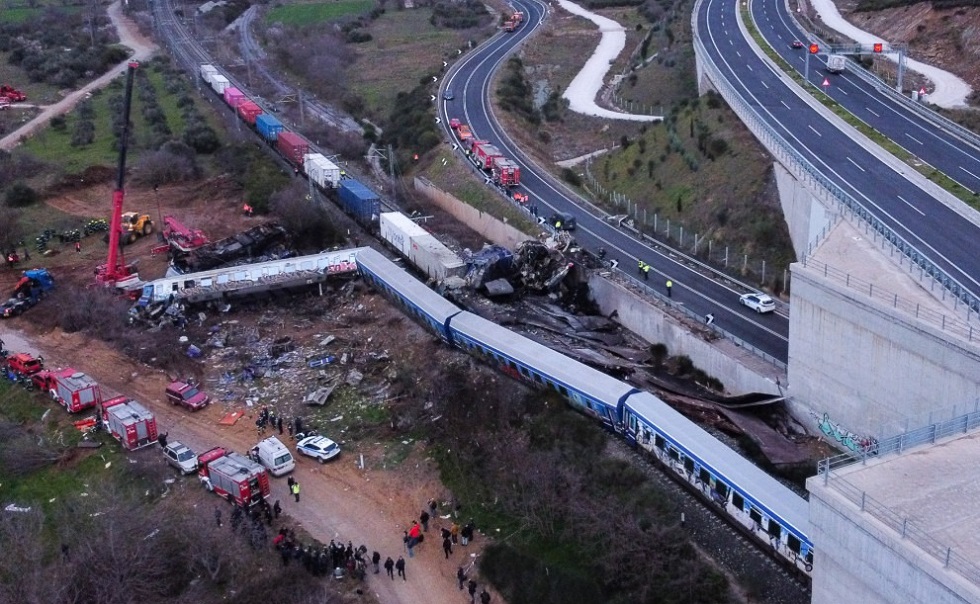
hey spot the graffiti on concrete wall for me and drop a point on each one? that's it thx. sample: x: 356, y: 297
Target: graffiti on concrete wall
x: 867, y: 445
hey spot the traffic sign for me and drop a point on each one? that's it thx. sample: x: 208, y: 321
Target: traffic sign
x: 878, y: 47
x: 922, y: 91
x: 814, y: 49
x: 826, y: 83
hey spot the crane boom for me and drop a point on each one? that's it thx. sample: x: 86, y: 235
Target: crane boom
x: 115, y: 268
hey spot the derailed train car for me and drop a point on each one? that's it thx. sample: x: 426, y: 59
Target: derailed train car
x: 776, y: 517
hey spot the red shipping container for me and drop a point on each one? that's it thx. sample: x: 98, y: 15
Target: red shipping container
x: 234, y: 97
x: 249, y: 111
x: 292, y: 147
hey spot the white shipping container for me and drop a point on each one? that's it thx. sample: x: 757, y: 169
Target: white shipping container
x: 435, y: 259
x: 208, y: 71
x: 398, y: 230
x: 321, y: 170
x: 219, y: 83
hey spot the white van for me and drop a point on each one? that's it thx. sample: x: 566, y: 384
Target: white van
x: 274, y: 455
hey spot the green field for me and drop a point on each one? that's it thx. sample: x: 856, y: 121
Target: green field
x: 311, y: 14
x: 19, y: 15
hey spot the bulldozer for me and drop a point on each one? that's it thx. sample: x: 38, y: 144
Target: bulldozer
x: 134, y: 226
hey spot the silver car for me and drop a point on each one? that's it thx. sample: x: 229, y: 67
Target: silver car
x: 181, y: 457
x: 760, y: 303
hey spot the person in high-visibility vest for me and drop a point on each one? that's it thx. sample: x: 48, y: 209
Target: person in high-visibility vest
x: 646, y: 271
x: 639, y: 266
x: 670, y: 286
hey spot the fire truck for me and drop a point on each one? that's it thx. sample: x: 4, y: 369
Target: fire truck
x: 233, y: 476
x: 71, y: 388
x: 129, y: 422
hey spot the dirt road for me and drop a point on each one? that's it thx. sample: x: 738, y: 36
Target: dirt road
x: 130, y: 36
x: 338, y: 500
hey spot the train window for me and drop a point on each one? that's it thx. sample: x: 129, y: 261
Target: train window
x: 689, y: 465
x: 537, y: 378
x: 673, y: 454
x: 793, y: 543
x: 775, y: 530
x: 660, y: 442
x: 513, y: 365
x: 722, y: 489
x: 705, y: 476
x: 755, y: 515
x: 632, y: 423
x: 738, y: 501
x: 525, y: 372
x: 563, y: 390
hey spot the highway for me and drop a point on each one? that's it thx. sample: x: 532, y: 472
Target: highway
x: 938, y: 232
x: 470, y: 80
x: 956, y: 156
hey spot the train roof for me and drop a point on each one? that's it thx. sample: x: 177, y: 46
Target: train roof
x: 555, y: 365
x: 751, y: 481
x: 405, y: 284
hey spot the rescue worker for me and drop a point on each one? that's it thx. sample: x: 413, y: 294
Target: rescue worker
x: 558, y: 225
x: 646, y: 271
x: 639, y: 267
x: 295, y: 490
x: 670, y: 287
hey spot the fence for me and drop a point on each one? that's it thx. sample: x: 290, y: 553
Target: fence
x: 947, y: 324
x: 704, y: 248
x: 896, y: 445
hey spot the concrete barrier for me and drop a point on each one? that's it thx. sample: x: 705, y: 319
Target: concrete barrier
x: 491, y: 227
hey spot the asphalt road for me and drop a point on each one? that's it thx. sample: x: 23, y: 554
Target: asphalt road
x: 955, y: 156
x: 470, y: 81
x: 938, y: 232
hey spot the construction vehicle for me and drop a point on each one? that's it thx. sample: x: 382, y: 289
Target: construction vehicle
x: 12, y: 94
x: 233, y: 476
x: 70, y: 388
x: 31, y: 288
x: 129, y: 422
x: 181, y: 238
x: 115, y: 272
x: 134, y: 226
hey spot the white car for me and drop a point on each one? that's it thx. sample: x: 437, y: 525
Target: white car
x: 318, y: 447
x: 760, y: 303
x: 181, y: 457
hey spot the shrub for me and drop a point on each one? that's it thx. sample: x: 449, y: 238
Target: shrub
x: 571, y: 177
x: 19, y: 195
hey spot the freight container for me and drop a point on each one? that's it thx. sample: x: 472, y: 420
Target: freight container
x: 249, y: 111
x: 506, y: 172
x: 485, y: 155
x: 398, y: 229
x: 321, y: 170
x: 207, y: 72
x: 435, y: 259
x: 292, y: 147
x: 71, y: 388
x: 268, y: 126
x: 359, y: 201
x: 234, y: 97
x: 219, y: 83
x: 129, y: 422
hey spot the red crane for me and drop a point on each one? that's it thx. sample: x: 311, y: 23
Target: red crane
x: 115, y: 269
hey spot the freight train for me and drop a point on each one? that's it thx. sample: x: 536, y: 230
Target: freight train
x: 355, y: 198
x: 770, y: 512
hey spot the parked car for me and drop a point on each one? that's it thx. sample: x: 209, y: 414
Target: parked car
x: 181, y: 393
x: 14, y: 307
x: 318, y: 447
x: 760, y: 303
x: 181, y: 457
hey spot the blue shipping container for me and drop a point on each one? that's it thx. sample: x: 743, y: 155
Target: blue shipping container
x: 359, y: 201
x: 268, y: 126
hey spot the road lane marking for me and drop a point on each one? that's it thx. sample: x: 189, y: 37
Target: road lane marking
x: 764, y: 84
x: 856, y: 164
x: 872, y: 112
x: 921, y: 213
x: 913, y: 138
x: 970, y: 173
x: 814, y: 130
x: 784, y: 104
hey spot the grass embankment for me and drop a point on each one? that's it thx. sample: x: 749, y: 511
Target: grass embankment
x: 302, y: 15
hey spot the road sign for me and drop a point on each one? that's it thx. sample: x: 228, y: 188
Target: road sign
x: 438, y: 120
x: 922, y: 91
x: 826, y: 83
x: 432, y: 97
x: 455, y: 146
x: 814, y: 49
x: 435, y: 79
x: 878, y: 47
